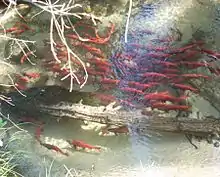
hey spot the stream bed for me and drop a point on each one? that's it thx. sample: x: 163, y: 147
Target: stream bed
x: 127, y: 156
x: 164, y: 155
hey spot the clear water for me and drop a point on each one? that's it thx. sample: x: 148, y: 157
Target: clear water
x: 168, y: 155
x: 164, y: 155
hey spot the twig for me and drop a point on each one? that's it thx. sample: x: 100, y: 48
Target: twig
x: 18, y: 40
x: 127, y: 22
x: 9, y: 128
x: 7, y: 118
x: 59, y: 11
x: 50, y: 168
x: 14, y: 85
x: 68, y: 171
x: 189, y: 138
x: 6, y: 99
x: 60, y: 31
x: 7, y: 64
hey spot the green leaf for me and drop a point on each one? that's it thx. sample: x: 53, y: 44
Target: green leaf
x: 2, y: 123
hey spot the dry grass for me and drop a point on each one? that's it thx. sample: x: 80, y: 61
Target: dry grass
x: 7, y: 167
x: 7, y: 164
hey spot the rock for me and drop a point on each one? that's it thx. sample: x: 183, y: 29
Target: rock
x: 216, y: 144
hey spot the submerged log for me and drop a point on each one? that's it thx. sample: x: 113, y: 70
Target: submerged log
x: 136, y: 118
x: 60, y: 103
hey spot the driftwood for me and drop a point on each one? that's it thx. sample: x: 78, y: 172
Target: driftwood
x: 143, y: 123
x: 60, y: 103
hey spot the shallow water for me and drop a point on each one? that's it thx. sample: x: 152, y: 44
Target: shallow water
x: 160, y: 155
x: 167, y: 154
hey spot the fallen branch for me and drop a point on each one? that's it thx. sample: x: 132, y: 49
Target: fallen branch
x: 116, y: 116
x: 65, y: 106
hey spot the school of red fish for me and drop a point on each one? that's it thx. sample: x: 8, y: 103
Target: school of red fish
x: 100, y: 70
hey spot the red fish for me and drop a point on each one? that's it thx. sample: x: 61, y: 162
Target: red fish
x: 17, y: 28
x: 187, y: 55
x: 23, y: 79
x: 169, y: 107
x: 211, y: 52
x: 72, y: 36
x: 97, y: 39
x: 193, y: 65
x: 56, y: 68
x: 79, y: 143
x: 59, y: 45
x: 122, y: 129
x: 75, y: 61
x: 186, y: 87
x: 95, y: 73
x: 154, y: 74
x: 38, y: 133
x: 143, y: 86
x: 103, y: 69
x: 24, y: 26
x: 32, y: 75
x: 109, y: 81
x: 172, y: 75
x: 158, y: 55
x: 18, y: 32
x: 25, y: 57
x: 183, y: 49
x: 12, y: 29
x: 165, y: 63
x: 20, y: 86
x: 116, y: 131
x: 100, y: 40
x: 163, y: 97
x: 194, y: 76
x: 105, y: 98
x: 55, y: 148
x: 93, y: 50
x: 176, y: 80
x: 170, y: 71
x: 123, y: 56
x: 216, y: 71
x: 148, y: 96
x: 98, y: 61
x: 132, y: 90
x: 150, y: 47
